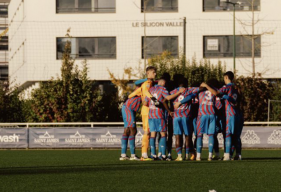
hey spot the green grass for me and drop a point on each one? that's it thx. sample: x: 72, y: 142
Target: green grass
x: 100, y: 170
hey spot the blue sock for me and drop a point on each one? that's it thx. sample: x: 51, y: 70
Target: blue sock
x: 152, y: 146
x: 199, y: 143
x: 124, y: 143
x: 163, y: 145
x: 211, y: 143
x: 132, y: 144
x: 186, y: 151
x: 178, y: 150
x: 228, y: 143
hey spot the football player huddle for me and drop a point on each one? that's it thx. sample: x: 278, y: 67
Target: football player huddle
x: 187, y: 112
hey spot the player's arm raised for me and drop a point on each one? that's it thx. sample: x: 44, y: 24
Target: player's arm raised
x: 213, y: 91
x: 170, y: 97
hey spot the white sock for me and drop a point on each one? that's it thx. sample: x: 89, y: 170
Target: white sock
x: 186, y: 155
x: 159, y: 154
x: 179, y: 155
x: 226, y: 155
x: 123, y: 155
x: 144, y: 155
x: 210, y: 155
x: 133, y: 155
x: 198, y: 155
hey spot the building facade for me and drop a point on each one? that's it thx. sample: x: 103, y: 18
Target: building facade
x: 114, y: 34
x: 4, y: 53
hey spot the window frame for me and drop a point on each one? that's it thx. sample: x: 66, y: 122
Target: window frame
x: 220, y: 57
x: 226, y: 11
x: 87, y: 58
x: 141, y: 9
x: 77, y: 12
x: 3, y: 67
x: 142, y: 40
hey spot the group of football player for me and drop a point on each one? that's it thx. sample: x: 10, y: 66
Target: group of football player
x: 174, y: 108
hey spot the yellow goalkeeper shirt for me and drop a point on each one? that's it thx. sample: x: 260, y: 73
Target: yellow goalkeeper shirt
x: 143, y: 91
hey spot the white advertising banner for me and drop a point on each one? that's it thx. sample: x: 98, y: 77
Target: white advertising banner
x: 110, y: 137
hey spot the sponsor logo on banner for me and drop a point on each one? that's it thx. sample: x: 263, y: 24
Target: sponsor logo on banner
x: 9, y: 138
x: 46, y: 139
x: 139, y: 136
x: 108, y: 139
x: 251, y: 138
x: 77, y: 139
x: 275, y: 138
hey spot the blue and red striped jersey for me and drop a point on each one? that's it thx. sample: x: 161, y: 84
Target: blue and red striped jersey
x: 207, y: 103
x: 229, y: 90
x: 218, y: 103
x: 184, y: 109
x: 133, y: 103
x: 160, y: 93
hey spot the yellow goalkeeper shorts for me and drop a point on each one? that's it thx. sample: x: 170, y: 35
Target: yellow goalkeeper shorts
x: 145, y: 123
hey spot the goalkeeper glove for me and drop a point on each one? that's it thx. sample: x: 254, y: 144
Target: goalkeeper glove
x: 156, y: 102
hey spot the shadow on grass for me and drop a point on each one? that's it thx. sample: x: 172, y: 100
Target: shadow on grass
x: 262, y: 158
x: 126, y: 166
x: 121, y: 166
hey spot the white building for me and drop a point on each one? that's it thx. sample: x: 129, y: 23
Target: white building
x: 109, y: 34
x: 4, y: 55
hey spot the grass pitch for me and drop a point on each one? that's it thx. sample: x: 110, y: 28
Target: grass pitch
x: 101, y: 170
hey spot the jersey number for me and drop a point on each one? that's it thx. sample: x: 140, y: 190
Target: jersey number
x: 208, y: 95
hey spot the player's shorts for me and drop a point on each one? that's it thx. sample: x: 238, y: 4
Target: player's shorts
x: 206, y: 124
x: 145, y: 124
x: 182, y: 125
x: 157, y: 125
x: 230, y: 124
x: 128, y: 117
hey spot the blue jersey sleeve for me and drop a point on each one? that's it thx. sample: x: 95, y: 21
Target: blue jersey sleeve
x: 140, y: 81
x: 188, y: 98
x: 230, y: 99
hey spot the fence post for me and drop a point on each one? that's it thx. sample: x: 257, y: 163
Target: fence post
x: 268, y: 113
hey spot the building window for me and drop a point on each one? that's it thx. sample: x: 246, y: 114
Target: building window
x: 4, y: 73
x: 85, y: 6
x: 157, y: 45
x: 4, y: 43
x: 222, y: 46
x: 4, y: 11
x: 159, y: 5
x: 89, y: 47
x: 221, y: 5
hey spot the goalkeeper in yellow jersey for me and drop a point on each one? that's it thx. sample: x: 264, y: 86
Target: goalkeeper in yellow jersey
x: 144, y: 92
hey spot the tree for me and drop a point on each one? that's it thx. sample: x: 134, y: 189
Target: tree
x: 71, y: 98
x: 252, y: 35
x: 11, y: 107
